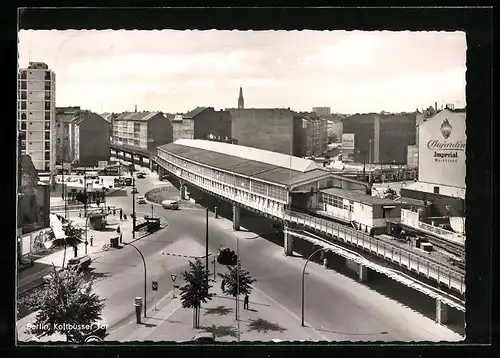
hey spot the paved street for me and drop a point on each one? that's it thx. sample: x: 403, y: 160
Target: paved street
x: 337, y: 307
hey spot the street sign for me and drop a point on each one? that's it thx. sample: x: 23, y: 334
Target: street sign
x: 155, y: 285
x: 173, y: 277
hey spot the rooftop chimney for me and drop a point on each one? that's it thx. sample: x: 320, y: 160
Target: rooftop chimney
x: 136, y: 108
x: 436, y: 105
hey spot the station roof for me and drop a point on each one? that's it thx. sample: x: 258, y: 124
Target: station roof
x: 359, y: 197
x: 261, y: 164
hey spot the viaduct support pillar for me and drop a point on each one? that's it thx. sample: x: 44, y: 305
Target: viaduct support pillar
x: 288, y: 244
x: 183, y: 191
x: 441, y: 312
x: 236, y: 217
x: 362, y: 273
x: 151, y: 164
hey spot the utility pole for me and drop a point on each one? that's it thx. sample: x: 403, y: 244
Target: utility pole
x: 133, y: 207
x: 303, y: 276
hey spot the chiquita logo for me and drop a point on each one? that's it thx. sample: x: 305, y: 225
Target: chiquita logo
x: 446, y: 128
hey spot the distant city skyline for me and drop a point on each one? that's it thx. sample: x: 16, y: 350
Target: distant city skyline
x: 175, y: 71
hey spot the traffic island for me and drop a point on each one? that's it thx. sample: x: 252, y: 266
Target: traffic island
x: 264, y: 321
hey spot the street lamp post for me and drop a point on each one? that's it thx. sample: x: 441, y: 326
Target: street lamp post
x: 145, y: 275
x: 303, y: 275
x: 152, y: 210
x: 133, y: 207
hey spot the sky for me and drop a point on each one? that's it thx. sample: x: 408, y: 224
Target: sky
x: 176, y: 71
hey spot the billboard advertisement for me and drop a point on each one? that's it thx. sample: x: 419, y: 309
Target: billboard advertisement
x: 348, y: 141
x: 441, y: 146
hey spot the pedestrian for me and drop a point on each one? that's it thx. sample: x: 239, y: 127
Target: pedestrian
x: 91, y: 241
x: 121, y: 215
x: 79, y: 213
x: 118, y: 230
x: 325, y: 263
x: 121, y: 238
x: 245, y: 303
x: 114, y: 212
x: 223, y: 285
x: 109, y: 209
x: 125, y: 217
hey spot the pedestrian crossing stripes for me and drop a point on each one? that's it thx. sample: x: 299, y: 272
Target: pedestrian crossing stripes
x: 186, y: 256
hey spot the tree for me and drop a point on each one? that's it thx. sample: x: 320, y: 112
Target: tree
x: 332, y: 138
x: 73, y: 237
x: 237, y: 282
x: 196, y: 289
x: 66, y: 305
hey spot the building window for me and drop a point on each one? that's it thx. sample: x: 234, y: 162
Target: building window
x: 47, y: 85
x: 23, y: 116
x: 47, y: 125
x: 47, y: 75
x: 23, y: 125
x: 47, y: 166
x: 47, y: 145
x: 47, y: 106
x: 47, y: 155
x: 47, y: 96
x: 436, y: 190
x: 23, y: 95
x: 23, y: 104
x: 23, y: 75
x: 47, y: 116
x: 47, y: 135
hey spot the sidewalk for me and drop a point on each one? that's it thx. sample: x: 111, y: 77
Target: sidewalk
x: 100, y: 238
x: 227, y: 225
x: 265, y: 320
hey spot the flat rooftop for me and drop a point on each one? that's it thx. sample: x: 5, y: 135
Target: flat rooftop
x: 251, y: 162
x: 359, y: 197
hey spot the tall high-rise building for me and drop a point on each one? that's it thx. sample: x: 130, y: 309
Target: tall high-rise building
x: 241, y: 101
x: 37, y: 116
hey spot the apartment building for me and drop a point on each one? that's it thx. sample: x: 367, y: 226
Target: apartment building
x: 83, y: 137
x: 36, y: 116
x: 321, y: 111
x: 141, y: 130
x: 315, y: 136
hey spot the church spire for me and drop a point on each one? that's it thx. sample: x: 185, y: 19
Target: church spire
x: 241, y: 101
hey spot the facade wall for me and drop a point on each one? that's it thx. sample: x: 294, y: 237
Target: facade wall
x: 388, y: 134
x: 159, y: 132
x: 33, y: 204
x: 93, y: 132
x: 269, y: 129
x: 412, y: 156
x: 396, y: 133
x: 177, y: 127
x: 213, y: 122
x: 363, y: 128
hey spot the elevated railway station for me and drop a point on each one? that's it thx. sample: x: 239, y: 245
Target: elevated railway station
x: 286, y: 189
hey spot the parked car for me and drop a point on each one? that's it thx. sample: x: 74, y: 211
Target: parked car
x: 170, y: 204
x: 141, y: 200
x: 141, y: 175
x: 128, y: 181
x: 204, y: 337
x: 79, y: 263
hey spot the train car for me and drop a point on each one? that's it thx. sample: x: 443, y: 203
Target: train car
x: 362, y: 211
